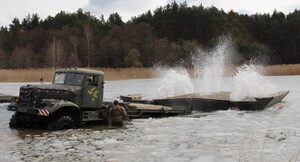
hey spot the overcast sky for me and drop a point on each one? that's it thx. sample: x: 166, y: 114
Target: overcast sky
x: 10, y: 9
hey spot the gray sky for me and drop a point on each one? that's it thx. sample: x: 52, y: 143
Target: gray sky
x: 128, y: 8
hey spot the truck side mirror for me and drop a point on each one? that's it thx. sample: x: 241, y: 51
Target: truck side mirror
x: 41, y: 80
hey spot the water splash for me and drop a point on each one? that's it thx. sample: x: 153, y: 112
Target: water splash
x: 209, y: 69
x: 247, y: 82
x: 210, y: 65
x: 173, y: 82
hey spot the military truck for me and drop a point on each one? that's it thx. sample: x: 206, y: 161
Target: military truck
x: 74, y: 97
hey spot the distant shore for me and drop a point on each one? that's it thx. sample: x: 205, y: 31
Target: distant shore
x: 34, y: 75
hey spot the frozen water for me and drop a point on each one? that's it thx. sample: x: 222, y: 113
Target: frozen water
x: 270, y: 135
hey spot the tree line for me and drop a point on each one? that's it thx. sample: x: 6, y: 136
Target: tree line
x: 169, y: 35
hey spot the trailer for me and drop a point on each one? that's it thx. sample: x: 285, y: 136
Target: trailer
x: 215, y: 101
x: 6, y: 98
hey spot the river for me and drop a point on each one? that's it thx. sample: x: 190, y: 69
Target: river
x: 270, y: 135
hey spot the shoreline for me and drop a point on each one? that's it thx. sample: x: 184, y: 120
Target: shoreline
x: 34, y: 75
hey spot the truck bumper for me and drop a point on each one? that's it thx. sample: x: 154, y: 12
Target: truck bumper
x: 26, y: 110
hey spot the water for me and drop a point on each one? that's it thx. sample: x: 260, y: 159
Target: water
x: 270, y: 135
x: 208, y: 67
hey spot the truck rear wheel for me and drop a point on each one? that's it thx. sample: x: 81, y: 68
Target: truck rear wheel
x: 62, y: 122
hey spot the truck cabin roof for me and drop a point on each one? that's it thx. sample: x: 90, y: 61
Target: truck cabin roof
x: 79, y: 70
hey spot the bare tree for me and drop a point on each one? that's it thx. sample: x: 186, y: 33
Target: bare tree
x: 88, y: 31
x: 3, y: 58
x: 56, y: 52
x: 61, y: 45
x: 133, y: 58
x: 59, y: 53
x: 3, y: 55
x: 53, y: 51
x: 73, y: 59
x: 21, y: 58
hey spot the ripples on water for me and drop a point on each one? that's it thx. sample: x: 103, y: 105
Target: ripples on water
x: 270, y: 135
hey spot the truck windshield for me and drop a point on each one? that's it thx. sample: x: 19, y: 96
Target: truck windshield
x: 59, y: 78
x: 68, y: 78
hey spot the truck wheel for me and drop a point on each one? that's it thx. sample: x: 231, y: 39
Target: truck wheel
x: 62, y: 122
x: 13, y: 123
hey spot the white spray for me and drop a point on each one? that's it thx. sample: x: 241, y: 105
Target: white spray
x: 173, y: 82
x: 210, y: 65
x: 209, y: 70
x: 247, y: 82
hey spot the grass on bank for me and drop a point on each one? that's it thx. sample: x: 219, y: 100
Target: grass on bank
x: 274, y: 70
x: 34, y: 75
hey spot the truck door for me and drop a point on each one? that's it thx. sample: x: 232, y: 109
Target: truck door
x: 91, y: 96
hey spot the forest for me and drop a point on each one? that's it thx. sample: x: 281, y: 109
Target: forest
x: 170, y: 35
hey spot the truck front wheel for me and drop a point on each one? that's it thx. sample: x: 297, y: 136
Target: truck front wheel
x: 62, y: 122
x: 13, y: 123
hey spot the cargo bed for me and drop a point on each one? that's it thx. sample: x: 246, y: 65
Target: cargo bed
x: 140, y: 110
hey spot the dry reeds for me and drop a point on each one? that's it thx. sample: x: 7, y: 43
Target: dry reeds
x: 34, y: 75
x: 127, y: 73
x: 26, y: 75
x: 273, y: 70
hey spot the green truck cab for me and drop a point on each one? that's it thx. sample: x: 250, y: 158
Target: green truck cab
x: 74, y: 98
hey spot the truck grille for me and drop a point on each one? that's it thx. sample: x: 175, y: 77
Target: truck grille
x: 31, y: 96
x: 25, y: 97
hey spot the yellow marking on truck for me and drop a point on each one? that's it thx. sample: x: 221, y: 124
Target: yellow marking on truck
x: 93, y: 92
